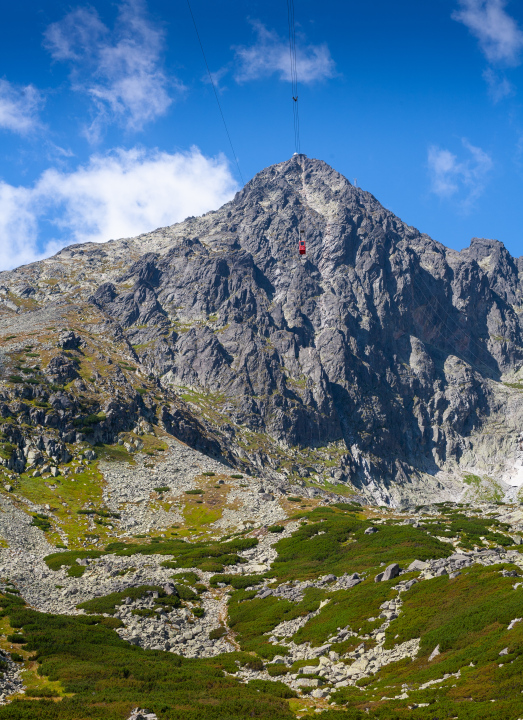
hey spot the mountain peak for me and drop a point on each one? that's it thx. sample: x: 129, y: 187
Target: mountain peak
x: 375, y: 358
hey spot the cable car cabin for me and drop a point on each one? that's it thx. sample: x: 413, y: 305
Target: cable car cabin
x: 301, y: 247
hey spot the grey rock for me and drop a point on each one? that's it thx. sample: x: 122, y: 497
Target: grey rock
x: 321, y: 650
x: 225, y: 304
x: 434, y: 653
x: 170, y: 589
x: 309, y: 670
x: 417, y: 565
x: 308, y: 682
x: 264, y: 593
x: 391, y: 572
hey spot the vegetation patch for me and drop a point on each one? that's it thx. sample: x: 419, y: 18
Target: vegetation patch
x: 251, y: 618
x: 104, y: 677
x: 471, y: 530
x: 42, y: 522
x: 210, y: 557
x: 238, y: 582
x: 70, y: 558
x: 347, y: 608
x: 108, y: 603
x: 333, y: 541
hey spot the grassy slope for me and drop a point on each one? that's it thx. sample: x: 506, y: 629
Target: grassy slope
x: 97, y: 675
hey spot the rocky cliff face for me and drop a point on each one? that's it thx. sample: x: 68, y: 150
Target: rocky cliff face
x: 381, y: 359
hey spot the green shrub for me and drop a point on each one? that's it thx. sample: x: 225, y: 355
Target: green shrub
x: 209, y: 474
x: 275, y: 528
x: 210, y: 557
x: 16, y: 639
x: 162, y: 489
x: 194, y: 492
x: 254, y: 664
x: 278, y: 689
x: 89, y: 420
x: 45, y: 692
x: 56, y: 560
x: 17, y: 657
x: 335, y: 542
x: 277, y: 669
x: 185, y: 593
x: 107, y: 604
x: 191, y: 578
x: 103, y: 677
x: 217, y: 633
x: 253, y: 618
x: 237, y: 477
x: 41, y: 521
x: 239, y: 582
x: 76, y: 571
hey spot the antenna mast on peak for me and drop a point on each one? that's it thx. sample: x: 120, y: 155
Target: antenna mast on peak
x: 293, y: 74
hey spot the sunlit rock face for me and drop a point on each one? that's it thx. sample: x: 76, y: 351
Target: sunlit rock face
x: 377, y: 359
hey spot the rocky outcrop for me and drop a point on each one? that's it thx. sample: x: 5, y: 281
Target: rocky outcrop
x: 381, y: 349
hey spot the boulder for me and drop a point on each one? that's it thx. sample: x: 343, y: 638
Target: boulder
x: 309, y: 670
x: 391, y: 572
x: 417, y: 565
x: 264, y: 593
x: 308, y: 682
x: 170, y: 589
x: 434, y: 653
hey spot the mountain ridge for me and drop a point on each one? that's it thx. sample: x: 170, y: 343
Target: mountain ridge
x: 377, y: 362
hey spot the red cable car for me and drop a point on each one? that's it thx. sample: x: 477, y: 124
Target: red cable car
x: 301, y: 244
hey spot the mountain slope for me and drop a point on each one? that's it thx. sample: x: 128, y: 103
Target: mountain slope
x: 378, y: 360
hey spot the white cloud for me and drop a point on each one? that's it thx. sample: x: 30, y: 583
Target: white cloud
x: 270, y: 55
x: 18, y: 107
x: 500, y: 38
x: 120, y: 71
x: 216, y: 78
x: 499, y: 86
x: 465, y: 178
x: 121, y: 194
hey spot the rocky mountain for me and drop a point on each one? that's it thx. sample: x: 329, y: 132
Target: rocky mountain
x: 382, y: 362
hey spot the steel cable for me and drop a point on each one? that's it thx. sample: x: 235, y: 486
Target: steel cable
x: 215, y: 92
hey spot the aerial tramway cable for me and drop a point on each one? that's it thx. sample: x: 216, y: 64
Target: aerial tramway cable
x: 294, y: 90
x: 215, y: 93
x: 293, y: 73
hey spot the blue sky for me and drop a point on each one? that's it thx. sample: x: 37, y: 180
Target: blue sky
x: 109, y: 126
